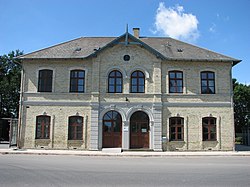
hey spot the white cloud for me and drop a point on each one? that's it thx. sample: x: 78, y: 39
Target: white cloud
x: 173, y: 22
x: 212, y: 29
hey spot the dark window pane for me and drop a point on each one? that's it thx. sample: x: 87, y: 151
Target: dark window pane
x: 77, y: 79
x: 45, y: 81
x: 75, y: 128
x: 137, y: 82
x: 42, y: 127
x: 115, y: 82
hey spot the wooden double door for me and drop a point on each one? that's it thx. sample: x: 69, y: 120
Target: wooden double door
x: 139, y: 130
x: 112, y: 130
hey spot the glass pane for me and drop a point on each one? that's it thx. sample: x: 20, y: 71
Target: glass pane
x: 141, y: 81
x: 112, y: 74
x: 112, y: 81
x: 172, y: 121
x: 210, y: 75
x: 204, y: 83
x: 179, y: 129
x: 134, y: 89
x: 80, y: 81
x: 179, y: 83
x: 205, y: 129
x: 213, y: 136
x: 81, y: 74
x: 140, y: 74
x: 205, y: 121
x: 179, y: 75
x: 79, y: 133
x: 171, y: 75
x: 117, y: 127
x: 119, y: 81
x: 211, y: 90
x: 205, y: 136
x: 80, y: 89
x: 107, y: 126
x: 204, y: 90
x: 118, y: 74
x: 172, y: 83
x: 134, y: 81
x: 172, y: 129
x: 141, y: 89
x: 179, y: 136
x: 179, y: 89
x: 172, y: 90
x: 211, y: 83
x: 111, y: 89
x: 203, y: 75
x: 212, y: 121
x: 119, y: 89
x: 172, y: 137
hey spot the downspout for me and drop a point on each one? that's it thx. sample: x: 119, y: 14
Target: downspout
x: 86, y: 131
x: 232, y: 105
x: 21, y: 108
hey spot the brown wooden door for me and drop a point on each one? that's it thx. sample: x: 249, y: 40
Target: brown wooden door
x: 139, y: 130
x: 112, y: 130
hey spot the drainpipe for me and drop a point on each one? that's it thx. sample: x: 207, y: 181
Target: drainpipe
x: 53, y: 132
x: 86, y: 130
x: 21, y: 109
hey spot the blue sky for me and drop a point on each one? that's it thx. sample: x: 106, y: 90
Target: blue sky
x: 222, y: 26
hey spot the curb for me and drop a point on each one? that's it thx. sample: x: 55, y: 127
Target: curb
x: 124, y: 154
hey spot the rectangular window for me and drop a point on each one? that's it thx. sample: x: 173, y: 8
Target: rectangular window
x: 207, y: 82
x: 75, y: 128
x: 45, y: 80
x: 42, y: 127
x: 77, y: 81
x: 176, y: 126
x: 209, y: 129
x: 175, y: 82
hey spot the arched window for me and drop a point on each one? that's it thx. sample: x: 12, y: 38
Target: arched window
x: 207, y: 82
x: 42, y: 127
x: 45, y: 80
x: 77, y: 81
x: 115, y: 82
x: 75, y: 129
x: 175, y: 82
x: 176, y: 127
x: 137, y: 82
x: 209, y: 129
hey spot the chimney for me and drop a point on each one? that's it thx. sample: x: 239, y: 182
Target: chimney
x: 136, y: 32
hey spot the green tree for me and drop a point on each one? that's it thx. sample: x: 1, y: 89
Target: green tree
x: 241, y: 105
x: 10, y: 78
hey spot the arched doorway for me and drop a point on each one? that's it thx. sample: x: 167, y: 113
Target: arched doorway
x: 139, y: 130
x: 112, y: 130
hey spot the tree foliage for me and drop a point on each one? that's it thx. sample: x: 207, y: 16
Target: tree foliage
x: 241, y: 105
x: 10, y: 78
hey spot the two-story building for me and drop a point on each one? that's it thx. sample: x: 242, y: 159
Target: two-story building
x: 128, y: 92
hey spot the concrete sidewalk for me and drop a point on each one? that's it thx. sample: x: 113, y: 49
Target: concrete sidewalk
x: 123, y: 154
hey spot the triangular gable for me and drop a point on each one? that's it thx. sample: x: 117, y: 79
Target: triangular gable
x: 128, y: 40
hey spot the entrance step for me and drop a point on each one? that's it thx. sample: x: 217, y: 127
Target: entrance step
x: 112, y: 150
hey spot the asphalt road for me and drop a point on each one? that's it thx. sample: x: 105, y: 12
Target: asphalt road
x: 35, y: 170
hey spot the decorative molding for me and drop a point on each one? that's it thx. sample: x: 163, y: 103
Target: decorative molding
x: 207, y: 104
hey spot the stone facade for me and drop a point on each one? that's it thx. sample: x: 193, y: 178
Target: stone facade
x: 156, y: 102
